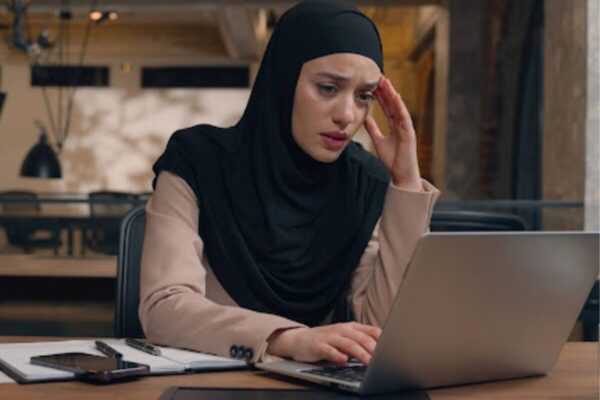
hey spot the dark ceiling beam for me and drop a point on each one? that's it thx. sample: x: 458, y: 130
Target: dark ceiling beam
x: 243, y: 32
x: 205, y: 5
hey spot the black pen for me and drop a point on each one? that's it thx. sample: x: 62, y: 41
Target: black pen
x: 107, y: 350
x: 147, y: 348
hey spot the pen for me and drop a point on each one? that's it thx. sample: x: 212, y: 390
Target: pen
x: 107, y: 350
x: 147, y: 348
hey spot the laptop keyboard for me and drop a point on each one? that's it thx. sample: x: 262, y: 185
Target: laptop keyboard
x: 354, y: 373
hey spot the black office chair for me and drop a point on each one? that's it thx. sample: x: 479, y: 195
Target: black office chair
x: 590, y: 315
x: 143, y: 196
x: 26, y: 233
x: 466, y: 221
x: 105, y: 220
x: 133, y: 226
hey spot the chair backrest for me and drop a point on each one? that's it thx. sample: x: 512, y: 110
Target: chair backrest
x: 143, y: 196
x: 133, y: 226
x: 18, y: 232
x: 105, y: 219
x: 465, y: 221
x: 106, y: 209
x: 27, y: 206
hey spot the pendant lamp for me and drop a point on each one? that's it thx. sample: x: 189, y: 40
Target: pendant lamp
x: 41, y: 161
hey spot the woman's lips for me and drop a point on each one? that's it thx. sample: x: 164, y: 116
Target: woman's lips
x: 334, y: 140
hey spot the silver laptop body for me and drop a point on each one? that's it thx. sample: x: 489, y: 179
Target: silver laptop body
x: 476, y: 307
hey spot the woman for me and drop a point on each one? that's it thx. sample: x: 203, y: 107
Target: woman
x: 260, y: 234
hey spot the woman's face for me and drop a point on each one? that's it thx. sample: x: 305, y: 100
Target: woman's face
x: 333, y: 97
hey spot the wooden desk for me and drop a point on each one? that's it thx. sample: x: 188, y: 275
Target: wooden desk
x: 575, y: 376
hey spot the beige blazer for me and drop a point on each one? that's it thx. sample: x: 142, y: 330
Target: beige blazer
x: 182, y: 304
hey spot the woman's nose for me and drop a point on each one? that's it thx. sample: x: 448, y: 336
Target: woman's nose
x: 344, y: 112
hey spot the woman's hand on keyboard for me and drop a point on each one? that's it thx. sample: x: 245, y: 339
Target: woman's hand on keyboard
x: 336, y: 343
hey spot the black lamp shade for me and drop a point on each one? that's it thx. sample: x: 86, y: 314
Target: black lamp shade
x: 41, y: 161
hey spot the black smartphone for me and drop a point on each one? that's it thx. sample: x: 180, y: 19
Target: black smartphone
x: 91, y: 367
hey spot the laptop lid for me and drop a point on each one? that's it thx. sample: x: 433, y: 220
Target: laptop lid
x: 476, y: 307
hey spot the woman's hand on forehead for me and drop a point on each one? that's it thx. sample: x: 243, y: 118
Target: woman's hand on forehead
x: 398, y: 149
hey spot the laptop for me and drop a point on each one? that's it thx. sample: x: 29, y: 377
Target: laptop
x: 473, y: 307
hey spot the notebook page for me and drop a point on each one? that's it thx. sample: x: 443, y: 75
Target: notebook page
x: 197, y: 360
x: 18, y: 357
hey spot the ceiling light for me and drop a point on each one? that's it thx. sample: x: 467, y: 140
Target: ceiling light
x: 100, y: 16
x: 95, y: 15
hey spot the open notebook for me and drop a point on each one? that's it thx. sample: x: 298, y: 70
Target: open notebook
x: 14, y: 359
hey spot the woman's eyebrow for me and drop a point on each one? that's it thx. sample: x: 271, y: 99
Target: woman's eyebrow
x: 333, y: 76
x: 371, y: 85
x: 341, y: 78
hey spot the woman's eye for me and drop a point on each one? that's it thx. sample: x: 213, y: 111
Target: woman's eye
x: 366, y: 97
x: 327, y: 89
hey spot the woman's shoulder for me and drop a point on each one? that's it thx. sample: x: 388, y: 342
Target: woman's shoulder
x: 204, y: 135
x: 367, y: 162
x: 188, y: 151
x: 192, y: 133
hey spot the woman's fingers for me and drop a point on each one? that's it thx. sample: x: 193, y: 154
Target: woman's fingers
x: 392, y: 105
x: 355, y: 340
x: 373, y: 331
x: 384, y: 101
x: 351, y: 348
x: 398, y: 105
x: 373, y: 130
x: 389, y: 93
x: 363, y: 339
x: 331, y: 353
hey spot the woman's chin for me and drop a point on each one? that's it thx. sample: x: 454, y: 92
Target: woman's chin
x: 327, y: 156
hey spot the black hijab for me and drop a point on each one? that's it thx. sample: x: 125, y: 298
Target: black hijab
x: 282, y: 231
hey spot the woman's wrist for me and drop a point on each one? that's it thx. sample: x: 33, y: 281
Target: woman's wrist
x: 407, y: 176
x: 281, y: 341
x: 413, y: 184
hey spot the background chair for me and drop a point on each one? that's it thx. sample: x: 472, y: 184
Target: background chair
x: 133, y: 226
x: 144, y: 196
x: 27, y: 233
x: 107, y: 208
x: 465, y: 221
x: 590, y: 315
